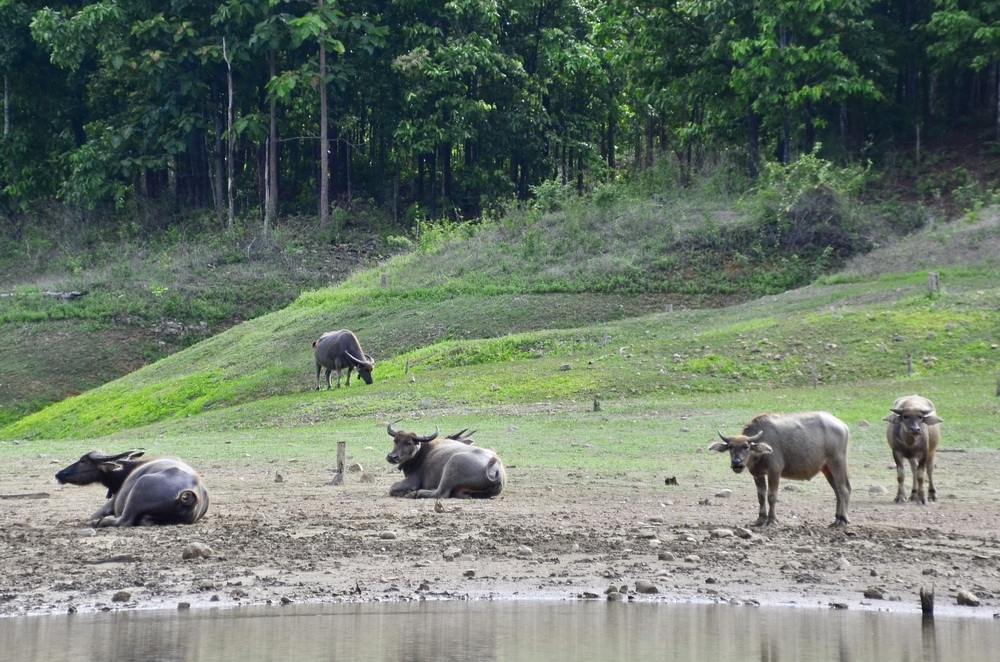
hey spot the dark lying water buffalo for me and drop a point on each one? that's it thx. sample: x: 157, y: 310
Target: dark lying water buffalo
x: 336, y: 350
x: 140, y: 491
x: 435, y: 467
x: 795, y: 446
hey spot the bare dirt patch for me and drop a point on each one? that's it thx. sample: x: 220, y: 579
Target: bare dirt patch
x: 563, y: 535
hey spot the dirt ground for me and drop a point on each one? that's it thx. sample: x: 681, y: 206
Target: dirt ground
x: 555, y: 536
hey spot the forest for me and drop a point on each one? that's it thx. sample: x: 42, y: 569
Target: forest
x: 259, y: 108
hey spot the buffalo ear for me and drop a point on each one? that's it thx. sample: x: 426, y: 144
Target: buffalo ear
x: 891, y: 418
x: 761, y: 447
x: 931, y: 419
x: 719, y: 446
x: 110, y: 467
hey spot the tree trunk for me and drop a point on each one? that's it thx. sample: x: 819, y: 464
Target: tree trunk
x: 218, y: 161
x: 650, y: 135
x: 997, y: 78
x: 753, y: 144
x: 6, y: 107
x: 271, y: 167
x: 324, y: 147
x: 230, y: 203
x: 610, y: 140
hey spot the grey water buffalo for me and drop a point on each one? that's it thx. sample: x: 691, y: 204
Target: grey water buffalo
x: 794, y: 446
x: 439, y: 467
x: 336, y: 350
x: 140, y: 490
x: 913, y: 434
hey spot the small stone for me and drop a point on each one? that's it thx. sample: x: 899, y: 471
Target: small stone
x: 469, y: 573
x: 451, y: 553
x: 388, y: 535
x: 838, y: 605
x: 565, y: 367
x: 654, y: 543
x: 214, y: 598
x: 121, y: 596
x: 670, y: 480
x: 86, y: 533
x: 647, y: 534
x: 666, y: 556
x: 196, y: 550
x: 721, y: 533
x: 792, y: 488
x: 424, y: 586
x: 704, y: 502
x: 874, y: 593
x: 355, y: 467
x: 525, y: 551
x: 692, y: 558
x: 877, y: 490
x: 181, y: 606
x: 744, y: 533
x: 615, y: 596
x: 711, y: 580
x: 863, y: 424
x: 285, y: 600
x: 367, y: 477
x: 589, y: 595
x: 843, y: 563
x: 646, y: 587
x: 724, y: 494
x: 929, y: 571
x: 71, y: 609
x: 967, y: 598
x: 873, y: 572
x: 278, y: 478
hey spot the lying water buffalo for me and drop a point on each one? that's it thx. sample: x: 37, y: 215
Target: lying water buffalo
x: 796, y: 446
x: 435, y: 467
x: 140, y: 491
x: 913, y: 434
x: 336, y: 350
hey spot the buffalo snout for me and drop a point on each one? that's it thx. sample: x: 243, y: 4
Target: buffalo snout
x: 738, y: 468
x: 392, y: 458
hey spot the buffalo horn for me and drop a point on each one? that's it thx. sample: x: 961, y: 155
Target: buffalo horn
x: 756, y: 436
x: 392, y: 430
x: 360, y: 362
x: 722, y: 436
x: 897, y: 412
x: 97, y: 456
x: 429, y: 437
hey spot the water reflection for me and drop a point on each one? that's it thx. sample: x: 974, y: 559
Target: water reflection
x: 486, y: 631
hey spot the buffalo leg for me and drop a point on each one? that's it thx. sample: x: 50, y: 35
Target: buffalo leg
x: 151, y: 496
x: 931, y: 492
x: 107, y: 509
x: 773, y: 478
x: 836, y: 475
x: 403, y: 488
x: 915, y: 494
x: 900, y: 477
x: 327, y: 374
x: 761, y: 483
x: 919, y: 480
x: 319, y: 369
x: 338, y: 377
x: 349, y: 368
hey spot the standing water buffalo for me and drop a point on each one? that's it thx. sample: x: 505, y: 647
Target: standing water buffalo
x: 795, y: 446
x: 913, y: 434
x: 140, y: 491
x: 336, y: 350
x: 435, y: 467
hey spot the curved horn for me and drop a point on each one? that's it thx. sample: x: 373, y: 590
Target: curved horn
x: 98, y: 456
x: 370, y: 360
x: 429, y: 437
x: 722, y: 436
x: 756, y: 436
x: 360, y: 362
x: 926, y: 412
x: 391, y: 430
x: 897, y: 412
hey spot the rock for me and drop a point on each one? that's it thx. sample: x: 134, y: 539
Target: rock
x: 181, y: 606
x: 355, y: 467
x: 966, y: 598
x: 721, y: 533
x: 647, y: 534
x: 196, y: 550
x: 424, y: 586
x: 843, y: 563
x: 874, y: 593
x: 654, y: 543
x: 615, y: 596
x: 704, y: 502
x: 666, y: 556
x: 929, y: 571
x: 214, y: 598
x: 285, y: 600
x: 670, y: 480
x: 278, y: 478
x: 877, y: 490
x: 655, y: 519
x: 524, y: 551
x: 451, y: 553
x: 711, y: 580
x: 724, y: 494
x: 838, y: 605
x: 692, y: 558
x: 565, y: 367
x: 792, y: 488
x: 469, y: 573
x: 589, y: 595
x: 746, y: 534
x: 125, y: 596
x: 388, y: 535
x: 438, y: 506
x: 863, y: 424
x: 646, y: 587
x: 367, y: 477
x: 86, y: 533
x: 71, y: 609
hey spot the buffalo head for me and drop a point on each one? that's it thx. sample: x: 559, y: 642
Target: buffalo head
x: 740, y: 447
x: 364, y: 366
x: 95, y: 467
x: 406, y: 445
x: 911, y: 419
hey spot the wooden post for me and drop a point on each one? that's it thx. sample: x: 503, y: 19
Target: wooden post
x: 815, y: 376
x: 669, y: 308
x: 597, y: 404
x: 909, y: 364
x: 384, y: 281
x: 933, y: 283
x: 338, y: 478
x: 927, y: 602
x: 998, y: 387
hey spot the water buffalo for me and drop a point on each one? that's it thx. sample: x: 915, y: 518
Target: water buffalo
x: 913, y: 434
x: 795, y: 446
x: 336, y: 350
x: 436, y: 467
x: 140, y: 491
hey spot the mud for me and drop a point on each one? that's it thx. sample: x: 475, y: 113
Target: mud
x: 561, y: 535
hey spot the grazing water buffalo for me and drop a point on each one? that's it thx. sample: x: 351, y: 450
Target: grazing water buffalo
x: 336, y: 350
x: 435, y: 467
x: 795, y: 446
x: 913, y: 434
x: 140, y: 491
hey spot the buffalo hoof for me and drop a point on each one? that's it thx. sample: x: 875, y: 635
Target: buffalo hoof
x: 900, y: 498
x: 932, y: 496
x: 760, y: 522
x: 110, y: 520
x: 839, y: 522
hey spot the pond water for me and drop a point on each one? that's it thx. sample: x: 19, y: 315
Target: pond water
x: 433, y: 631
